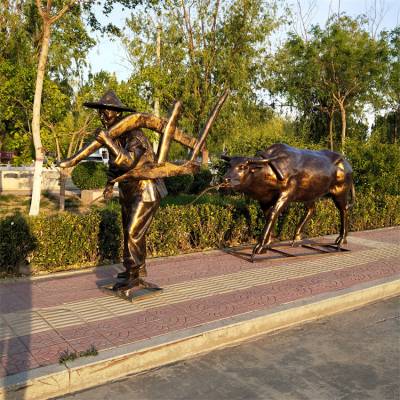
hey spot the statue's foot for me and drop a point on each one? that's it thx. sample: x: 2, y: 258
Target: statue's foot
x: 127, y: 274
x: 260, y: 248
x: 297, y: 238
x: 125, y: 284
x: 123, y: 275
x: 340, y: 241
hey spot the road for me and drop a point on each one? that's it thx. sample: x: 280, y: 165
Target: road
x: 355, y: 355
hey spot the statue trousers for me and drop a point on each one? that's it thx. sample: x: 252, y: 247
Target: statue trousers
x: 136, y: 219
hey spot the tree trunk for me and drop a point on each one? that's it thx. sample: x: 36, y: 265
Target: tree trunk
x: 157, y: 89
x: 39, y: 153
x: 343, y: 118
x: 396, y: 125
x: 330, y: 125
x: 204, y: 157
x: 64, y: 173
x: 61, y: 204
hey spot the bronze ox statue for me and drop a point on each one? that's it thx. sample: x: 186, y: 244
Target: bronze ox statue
x: 283, y: 174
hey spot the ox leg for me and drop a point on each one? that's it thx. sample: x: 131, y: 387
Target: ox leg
x: 266, y: 209
x: 273, y: 214
x: 340, y: 203
x: 299, y: 229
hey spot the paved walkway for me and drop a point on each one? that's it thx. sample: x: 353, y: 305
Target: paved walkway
x: 42, y: 317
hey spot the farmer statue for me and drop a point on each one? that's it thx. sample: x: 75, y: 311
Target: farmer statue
x: 139, y: 173
x: 139, y: 199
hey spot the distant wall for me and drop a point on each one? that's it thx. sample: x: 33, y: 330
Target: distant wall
x: 18, y: 180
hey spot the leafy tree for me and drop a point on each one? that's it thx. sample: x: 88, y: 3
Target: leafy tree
x: 52, y: 17
x: 205, y: 47
x: 338, y: 68
x: 20, y: 42
x: 391, y: 122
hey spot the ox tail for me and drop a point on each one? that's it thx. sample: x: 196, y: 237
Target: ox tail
x: 352, y: 200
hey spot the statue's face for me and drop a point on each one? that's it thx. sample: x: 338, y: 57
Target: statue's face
x: 108, y: 117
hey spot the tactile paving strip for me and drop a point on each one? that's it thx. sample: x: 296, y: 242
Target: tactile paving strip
x: 80, y: 312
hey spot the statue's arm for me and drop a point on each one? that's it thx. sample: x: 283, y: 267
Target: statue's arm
x: 125, y: 159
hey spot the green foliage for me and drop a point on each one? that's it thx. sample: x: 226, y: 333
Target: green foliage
x: 178, y: 184
x: 20, y: 41
x: 90, y: 175
x: 68, y: 355
x: 246, y: 142
x: 220, y: 44
x: 75, y: 241
x: 376, y: 166
x: 66, y: 239
x: 337, y: 68
x: 391, y: 89
x: 386, y: 128
x: 201, y: 180
x: 110, y: 239
x: 16, y: 242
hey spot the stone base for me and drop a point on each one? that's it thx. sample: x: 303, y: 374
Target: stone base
x: 91, y: 196
x: 131, y: 292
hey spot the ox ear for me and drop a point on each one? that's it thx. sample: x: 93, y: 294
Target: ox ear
x: 225, y: 157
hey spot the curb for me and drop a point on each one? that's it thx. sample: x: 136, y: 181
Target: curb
x: 57, y: 380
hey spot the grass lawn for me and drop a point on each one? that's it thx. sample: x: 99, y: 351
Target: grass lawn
x: 9, y: 204
x: 49, y: 204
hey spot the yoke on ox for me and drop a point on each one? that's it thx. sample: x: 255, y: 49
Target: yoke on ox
x: 283, y: 174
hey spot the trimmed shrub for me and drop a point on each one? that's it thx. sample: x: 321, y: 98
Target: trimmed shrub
x: 178, y: 184
x: 66, y: 241
x: 89, y: 175
x: 16, y: 242
x: 376, y: 166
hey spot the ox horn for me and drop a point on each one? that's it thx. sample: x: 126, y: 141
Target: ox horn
x: 271, y: 163
x: 257, y: 162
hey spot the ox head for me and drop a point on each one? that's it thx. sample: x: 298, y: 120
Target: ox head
x: 243, y: 171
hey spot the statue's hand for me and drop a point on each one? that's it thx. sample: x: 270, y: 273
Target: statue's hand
x: 102, y: 137
x: 108, y: 192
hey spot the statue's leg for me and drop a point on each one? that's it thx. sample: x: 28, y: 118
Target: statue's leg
x: 273, y: 214
x: 267, y: 209
x: 340, y: 201
x: 299, y: 229
x: 138, y: 223
x: 126, y: 208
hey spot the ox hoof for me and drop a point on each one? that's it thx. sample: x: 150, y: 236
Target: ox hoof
x: 258, y: 249
x: 296, y: 240
x: 340, y: 240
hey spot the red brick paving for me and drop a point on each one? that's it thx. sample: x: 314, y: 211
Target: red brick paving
x: 388, y: 235
x: 27, y: 352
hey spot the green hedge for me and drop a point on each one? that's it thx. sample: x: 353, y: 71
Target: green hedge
x: 67, y: 240
x: 90, y: 175
x: 193, y: 184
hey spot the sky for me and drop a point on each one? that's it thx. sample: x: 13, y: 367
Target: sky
x: 110, y: 56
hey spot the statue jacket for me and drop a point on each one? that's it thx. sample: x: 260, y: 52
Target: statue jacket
x: 135, y: 150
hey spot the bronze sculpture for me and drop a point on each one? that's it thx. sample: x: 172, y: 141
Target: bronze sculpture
x: 139, y: 174
x: 282, y: 174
